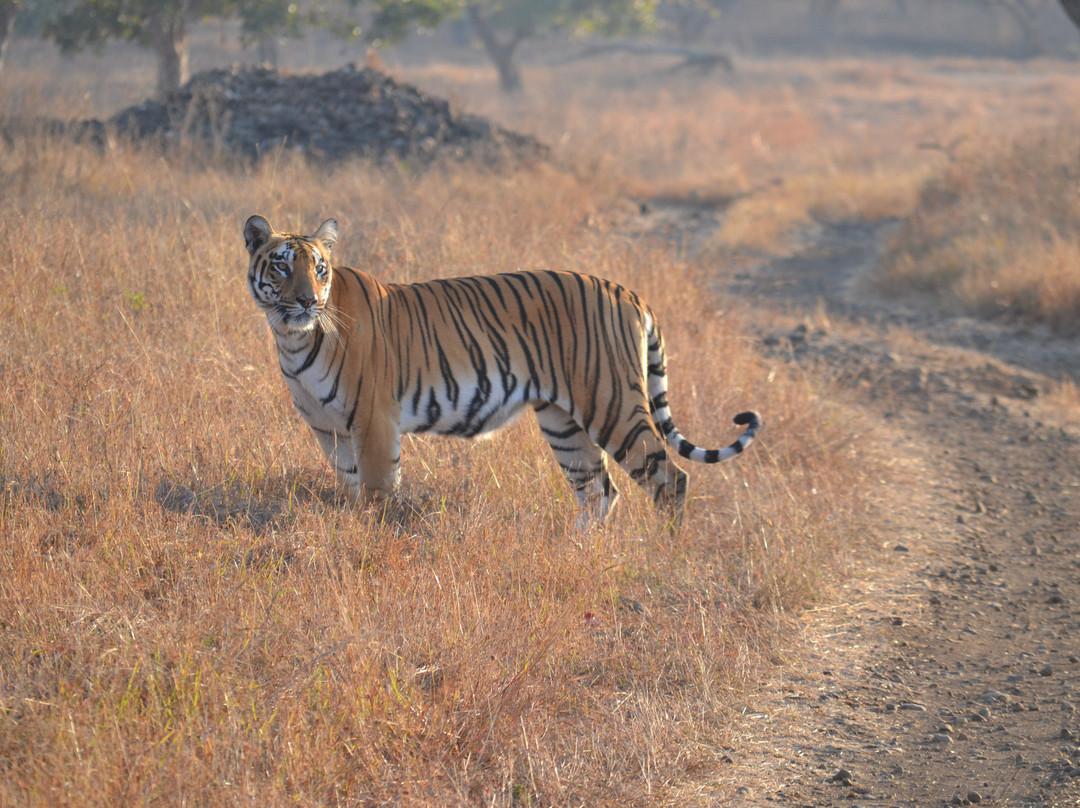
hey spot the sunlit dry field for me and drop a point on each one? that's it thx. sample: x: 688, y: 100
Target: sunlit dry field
x: 996, y: 234
x: 189, y: 615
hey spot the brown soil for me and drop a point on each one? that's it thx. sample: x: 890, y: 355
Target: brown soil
x: 947, y: 672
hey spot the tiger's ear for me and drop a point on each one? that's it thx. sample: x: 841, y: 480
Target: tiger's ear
x: 327, y: 233
x: 256, y: 233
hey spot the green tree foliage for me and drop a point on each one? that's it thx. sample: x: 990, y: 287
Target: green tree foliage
x: 163, y: 25
x: 502, y: 25
x: 266, y: 21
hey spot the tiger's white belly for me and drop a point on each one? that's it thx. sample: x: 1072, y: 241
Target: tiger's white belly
x: 469, y: 414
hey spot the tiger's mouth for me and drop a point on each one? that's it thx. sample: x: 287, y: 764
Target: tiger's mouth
x: 298, y: 319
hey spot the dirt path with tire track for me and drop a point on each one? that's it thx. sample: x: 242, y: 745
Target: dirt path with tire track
x: 949, y: 672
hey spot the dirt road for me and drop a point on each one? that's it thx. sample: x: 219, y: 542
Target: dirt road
x: 949, y: 673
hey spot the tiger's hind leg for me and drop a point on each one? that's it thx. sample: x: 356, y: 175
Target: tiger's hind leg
x: 639, y: 449
x: 582, y: 461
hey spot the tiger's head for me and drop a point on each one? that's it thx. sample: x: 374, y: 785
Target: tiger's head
x: 289, y: 275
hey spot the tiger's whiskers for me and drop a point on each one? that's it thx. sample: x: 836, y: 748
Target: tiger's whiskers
x: 330, y: 321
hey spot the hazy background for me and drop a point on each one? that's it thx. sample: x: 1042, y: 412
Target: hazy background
x: 100, y: 80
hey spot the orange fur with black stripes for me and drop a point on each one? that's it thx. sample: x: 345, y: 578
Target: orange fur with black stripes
x: 367, y: 362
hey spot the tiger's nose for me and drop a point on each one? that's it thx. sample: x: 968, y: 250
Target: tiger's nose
x: 306, y: 302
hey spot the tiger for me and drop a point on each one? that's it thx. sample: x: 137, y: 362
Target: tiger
x: 367, y: 362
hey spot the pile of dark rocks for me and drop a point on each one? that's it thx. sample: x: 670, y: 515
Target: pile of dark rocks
x: 350, y: 112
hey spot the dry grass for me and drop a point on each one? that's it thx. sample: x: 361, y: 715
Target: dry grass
x: 188, y: 615
x: 790, y: 143
x: 1063, y: 400
x: 771, y: 142
x: 999, y: 233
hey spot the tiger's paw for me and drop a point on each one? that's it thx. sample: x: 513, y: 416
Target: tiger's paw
x: 403, y: 506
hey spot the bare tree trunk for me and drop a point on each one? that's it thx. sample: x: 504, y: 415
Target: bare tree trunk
x: 501, y: 53
x: 169, y: 40
x: 172, y: 57
x: 267, y: 49
x: 9, y: 10
x: 1072, y: 8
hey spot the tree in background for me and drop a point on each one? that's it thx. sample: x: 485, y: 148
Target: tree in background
x: 1072, y: 8
x: 160, y: 25
x: 503, y: 25
x: 163, y: 25
x: 265, y: 22
x: 9, y: 10
x: 1025, y: 13
x: 689, y: 20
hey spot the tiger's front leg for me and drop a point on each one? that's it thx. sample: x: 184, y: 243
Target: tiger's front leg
x: 378, y: 449
x: 338, y: 449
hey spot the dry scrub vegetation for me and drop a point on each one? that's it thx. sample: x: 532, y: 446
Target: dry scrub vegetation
x: 779, y: 144
x: 188, y: 615
x: 999, y: 233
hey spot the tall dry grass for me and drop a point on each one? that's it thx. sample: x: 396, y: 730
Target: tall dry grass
x: 769, y: 141
x: 188, y: 615
x: 788, y: 143
x: 998, y: 233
